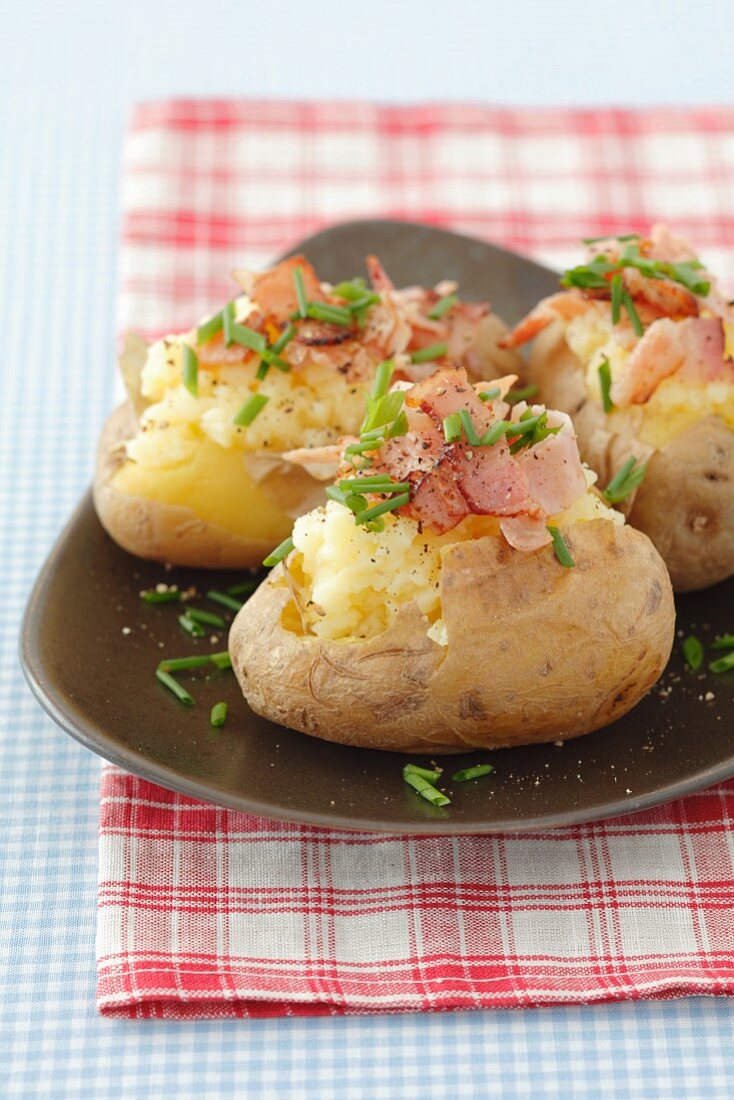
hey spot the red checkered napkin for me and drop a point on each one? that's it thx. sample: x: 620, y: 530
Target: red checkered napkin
x: 207, y: 912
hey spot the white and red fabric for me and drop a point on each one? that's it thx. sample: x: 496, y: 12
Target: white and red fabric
x: 209, y: 912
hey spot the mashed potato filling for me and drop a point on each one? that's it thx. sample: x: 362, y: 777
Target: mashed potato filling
x: 674, y: 405
x: 351, y: 581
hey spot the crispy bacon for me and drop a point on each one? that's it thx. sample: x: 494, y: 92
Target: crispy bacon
x: 694, y: 348
x: 274, y: 291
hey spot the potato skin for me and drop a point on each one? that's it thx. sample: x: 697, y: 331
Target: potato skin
x: 686, y: 502
x: 165, y: 532
x: 535, y: 652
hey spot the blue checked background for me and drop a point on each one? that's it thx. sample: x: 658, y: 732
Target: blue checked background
x: 69, y: 70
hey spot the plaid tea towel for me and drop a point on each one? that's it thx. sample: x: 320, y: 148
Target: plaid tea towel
x: 209, y: 912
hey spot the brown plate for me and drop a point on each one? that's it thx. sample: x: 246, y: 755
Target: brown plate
x: 89, y: 648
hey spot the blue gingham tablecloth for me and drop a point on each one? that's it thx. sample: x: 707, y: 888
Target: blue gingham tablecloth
x: 58, y: 214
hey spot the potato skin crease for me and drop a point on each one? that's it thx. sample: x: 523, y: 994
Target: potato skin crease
x: 686, y: 501
x: 535, y: 653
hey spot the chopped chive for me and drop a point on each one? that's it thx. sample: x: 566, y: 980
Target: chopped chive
x: 382, y: 410
x: 502, y: 427
x: 223, y: 599
x: 452, y: 427
x: 245, y: 337
x: 605, y: 382
x: 280, y: 552
x: 522, y: 394
x: 425, y: 789
x: 268, y: 356
x: 191, y: 627
x: 191, y: 370
x: 284, y: 339
x: 218, y: 715
x: 332, y: 315
x: 442, y: 306
x: 182, y: 664
x: 351, y: 289
x: 427, y: 355
x: 384, y: 506
x: 367, y: 445
x: 300, y: 292
x: 383, y: 375
x: 617, y: 289
x: 625, y: 481
x: 173, y: 686
x: 468, y: 425
x: 210, y: 328
x: 244, y: 588
x: 609, y: 237
x: 723, y: 664
x: 559, y: 545
x: 726, y: 641
x: 171, y: 595
x: 207, y: 618
x: 489, y: 395
x: 373, y: 484
x: 221, y: 660
x: 251, y: 408
x: 634, y: 316
x: 693, y: 652
x: 431, y: 774
x: 526, y: 425
x: 475, y: 772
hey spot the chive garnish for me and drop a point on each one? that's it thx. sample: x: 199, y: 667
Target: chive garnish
x: 375, y: 483
x: 502, y: 427
x: 183, y: 664
x: 475, y: 772
x: 382, y: 410
x: 244, y: 588
x: 468, y: 425
x: 442, y: 306
x: 723, y: 664
x: 171, y: 595
x: 223, y: 599
x: 559, y: 545
x: 210, y: 327
x: 632, y: 313
x: 333, y: 315
x: 693, y: 652
x: 218, y: 715
x: 221, y: 660
x: 280, y: 552
x: 192, y: 628
x: 191, y: 370
x: 254, y: 405
x: 431, y: 774
x: 625, y: 481
x: 426, y: 355
x: 383, y: 375
x: 425, y: 789
x: 452, y: 427
x: 207, y: 618
x: 605, y: 383
x: 384, y: 506
x: 173, y: 686
x: 300, y: 292
x: 353, y: 289
x: 235, y: 333
x: 514, y: 396
x: 489, y: 395
x: 726, y: 641
x: 609, y: 237
x: 617, y: 289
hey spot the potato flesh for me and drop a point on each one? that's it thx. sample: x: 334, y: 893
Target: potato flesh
x: 214, y: 483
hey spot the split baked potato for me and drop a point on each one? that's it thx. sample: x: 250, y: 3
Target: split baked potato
x: 464, y: 587
x: 638, y: 349
x: 195, y: 468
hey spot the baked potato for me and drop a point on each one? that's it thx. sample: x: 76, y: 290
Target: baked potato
x: 195, y: 470
x: 461, y: 588
x: 649, y: 381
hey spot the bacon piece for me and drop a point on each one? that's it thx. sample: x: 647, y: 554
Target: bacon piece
x: 379, y: 278
x: 215, y: 352
x: 447, y: 391
x: 696, y: 344
x: 555, y: 476
x: 525, y: 532
x: 275, y: 291
x: 563, y: 306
